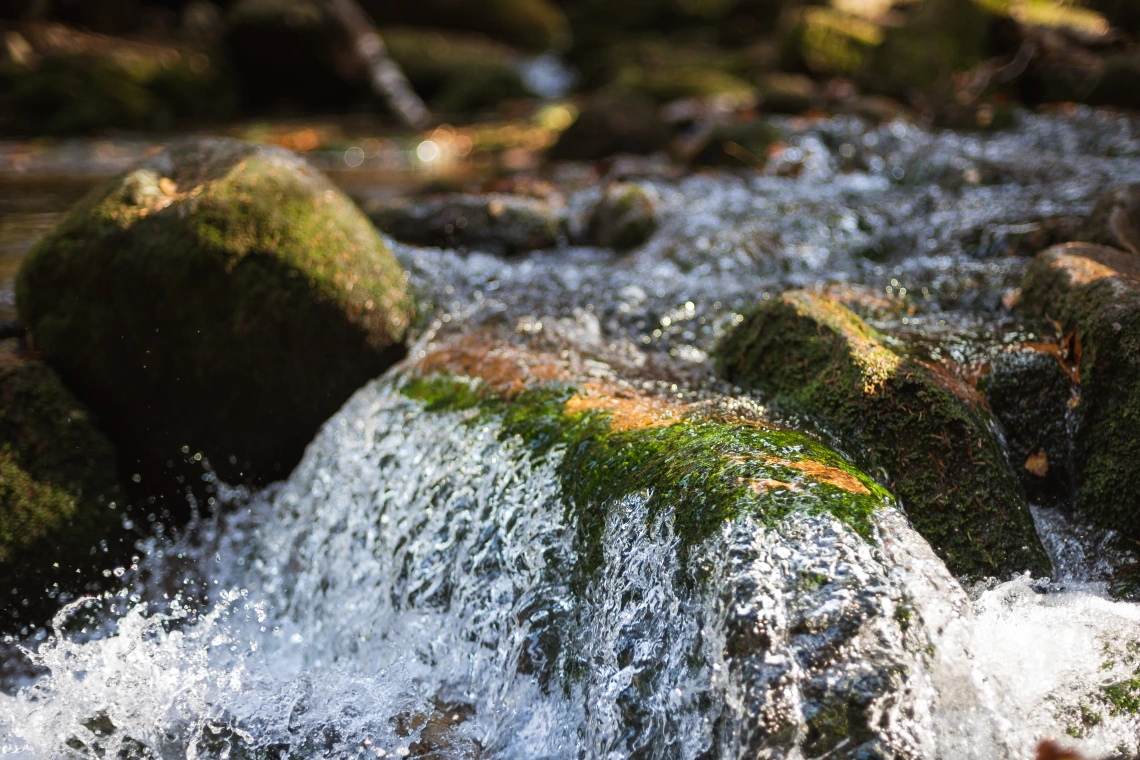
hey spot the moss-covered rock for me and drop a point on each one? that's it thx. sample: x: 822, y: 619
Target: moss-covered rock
x: 455, y: 72
x: 222, y: 297
x: 495, y: 222
x: 625, y: 216
x: 926, y: 432
x: 666, y: 72
x: 937, y: 39
x: 1029, y: 390
x: 612, y: 122
x: 1115, y: 220
x: 617, y: 442
x: 61, y: 505
x: 67, y: 81
x: 1094, y: 291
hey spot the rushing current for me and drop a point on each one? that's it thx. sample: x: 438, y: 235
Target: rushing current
x: 415, y: 588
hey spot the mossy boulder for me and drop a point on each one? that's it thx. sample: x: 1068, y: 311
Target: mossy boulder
x: 624, y: 217
x: 222, y: 296
x: 1029, y: 390
x: 665, y: 72
x: 495, y: 222
x: 925, y: 432
x: 1093, y: 291
x: 61, y: 505
x: 707, y: 467
x: 456, y: 72
x: 66, y: 81
x: 612, y: 122
x: 1115, y: 220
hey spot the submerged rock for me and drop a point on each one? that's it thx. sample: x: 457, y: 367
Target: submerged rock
x: 495, y: 222
x: 221, y: 298
x: 61, y: 505
x: 1094, y: 291
x: 625, y: 217
x: 781, y: 564
x: 926, y: 431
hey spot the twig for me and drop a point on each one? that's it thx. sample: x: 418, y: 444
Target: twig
x: 388, y: 81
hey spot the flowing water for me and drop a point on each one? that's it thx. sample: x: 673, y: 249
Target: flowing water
x: 415, y: 588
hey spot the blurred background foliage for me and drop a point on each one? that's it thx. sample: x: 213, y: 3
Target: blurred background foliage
x: 83, y: 66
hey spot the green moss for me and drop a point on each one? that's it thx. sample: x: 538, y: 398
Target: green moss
x: 903, y: 614
x: 837, y: 724
x: 1122, y: 697
x: 934, y: 446
x: 706, y: 471
x: 1087, y: 289
x: 60, y: 502
x: 221, y: 296
x: 67, y: 94
x: 455, y: 72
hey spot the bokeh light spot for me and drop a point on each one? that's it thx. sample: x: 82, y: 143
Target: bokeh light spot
x: 427, y: 151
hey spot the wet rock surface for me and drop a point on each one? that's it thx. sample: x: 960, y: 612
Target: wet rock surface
x: 61, y: 504
x: 482, y: 532
x: 496, y: 222
x: 1030, y: 390
x: 625, y: 217
x: 612, y: 122
x: 221, y: 299
x: 924, y: 430
x: 1094, y: 291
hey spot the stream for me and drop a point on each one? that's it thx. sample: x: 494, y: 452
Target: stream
x: 414, y: 588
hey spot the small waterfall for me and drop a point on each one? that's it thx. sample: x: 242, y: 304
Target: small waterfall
x: 413, y: 588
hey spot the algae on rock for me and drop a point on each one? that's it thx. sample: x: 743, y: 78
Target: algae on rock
x: 707, y: 469
x: 926, y: 432
x: 1094, y: 292
x: 61, y: 505
x: 221, y: 298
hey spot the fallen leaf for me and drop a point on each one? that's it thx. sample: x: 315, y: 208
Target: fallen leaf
x: 1038, y: 464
